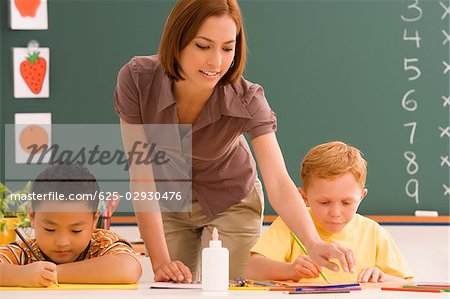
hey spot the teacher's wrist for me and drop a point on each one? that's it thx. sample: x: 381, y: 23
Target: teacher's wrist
x: 159, y: 262
x: 312, y: 242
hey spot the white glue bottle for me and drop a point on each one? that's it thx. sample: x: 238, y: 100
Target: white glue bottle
x: 215, y: 265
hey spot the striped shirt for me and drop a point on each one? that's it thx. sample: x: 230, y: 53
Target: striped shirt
x: 103, y: 242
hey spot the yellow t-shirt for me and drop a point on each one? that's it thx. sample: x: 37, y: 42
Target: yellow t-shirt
x: 372, y: 246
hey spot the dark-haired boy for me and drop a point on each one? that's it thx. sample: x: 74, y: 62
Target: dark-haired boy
x: 69, y: 248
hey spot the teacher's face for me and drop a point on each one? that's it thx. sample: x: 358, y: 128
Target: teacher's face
x: 209, y: 55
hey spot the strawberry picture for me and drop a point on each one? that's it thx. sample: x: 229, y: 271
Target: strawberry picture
x: 27, y: 8
x: 33, y: 71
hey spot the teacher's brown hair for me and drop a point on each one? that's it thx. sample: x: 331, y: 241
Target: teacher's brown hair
x: 183, y: 23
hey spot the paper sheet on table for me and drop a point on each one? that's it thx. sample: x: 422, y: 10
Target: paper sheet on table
x: 77, y: 286
x: 173, y: 285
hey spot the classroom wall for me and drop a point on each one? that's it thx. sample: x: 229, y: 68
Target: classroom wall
x: 331, y: 70
x: 426, y: 248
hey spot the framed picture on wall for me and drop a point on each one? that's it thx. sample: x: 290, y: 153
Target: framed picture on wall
x: 31, y: 68
x: 28, y: 14
x: 32, y: 131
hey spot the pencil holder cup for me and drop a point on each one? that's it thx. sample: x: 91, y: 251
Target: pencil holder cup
x: 10, y: 235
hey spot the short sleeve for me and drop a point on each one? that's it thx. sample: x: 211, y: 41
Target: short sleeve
x: 12, y: 254
x: 118, y: 247
x: 109, y: 243
x: 126, y: 95
x: 275, y: 243
x: 263, y: 119
x: 389, y: 257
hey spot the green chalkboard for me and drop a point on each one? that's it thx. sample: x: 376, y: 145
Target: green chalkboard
x: 332, y: 70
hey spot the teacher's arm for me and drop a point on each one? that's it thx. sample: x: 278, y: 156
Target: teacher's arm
x: 148, y: 215
x: 288, y: 203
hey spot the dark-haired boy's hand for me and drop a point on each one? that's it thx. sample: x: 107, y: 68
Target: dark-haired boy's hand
x: 39, y: 274
x: 175, y: 271
x: 303, y: 267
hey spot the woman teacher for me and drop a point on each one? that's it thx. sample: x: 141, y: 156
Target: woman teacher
x: 196, y: 79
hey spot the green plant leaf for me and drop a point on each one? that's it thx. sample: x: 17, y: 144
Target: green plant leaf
x: 25, y: 189
x: 3, y: 206
x: 3, y: 228
x: 24, y: 222
x: 3, y: 190
x: 10, y: 207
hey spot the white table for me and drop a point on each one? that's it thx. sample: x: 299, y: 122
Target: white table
x: 145, y: 292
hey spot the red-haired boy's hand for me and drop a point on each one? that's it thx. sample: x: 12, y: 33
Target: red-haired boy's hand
x: 371, y: 275
x: 303, y: 267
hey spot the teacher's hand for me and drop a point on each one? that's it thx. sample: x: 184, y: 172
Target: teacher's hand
x: 321, y: 253
x: 175, y: 271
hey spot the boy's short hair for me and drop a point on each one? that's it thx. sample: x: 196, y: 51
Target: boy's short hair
x: 183, y: 23
x: 331, y: 160
x: 73, y: 180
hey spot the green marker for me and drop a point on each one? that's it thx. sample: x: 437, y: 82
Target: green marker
x: 306, y: 252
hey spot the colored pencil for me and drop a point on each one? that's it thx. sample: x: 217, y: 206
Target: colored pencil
x: 434, y: 285
x: 331, y: 286
x: 319, y: 292
x: 426, y: 288
x: 19, y: 233
x: 248, y: 288
x: 263, y: 283
x: 410, y: 290
x: 306, y: 252
x: 277, y: 289
x: 318, y: 289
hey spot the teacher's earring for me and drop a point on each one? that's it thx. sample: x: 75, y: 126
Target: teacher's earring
x: 232, y: 64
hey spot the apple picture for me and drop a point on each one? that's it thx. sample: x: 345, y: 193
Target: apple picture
x: 28, y: 14
x: 27, y: 8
